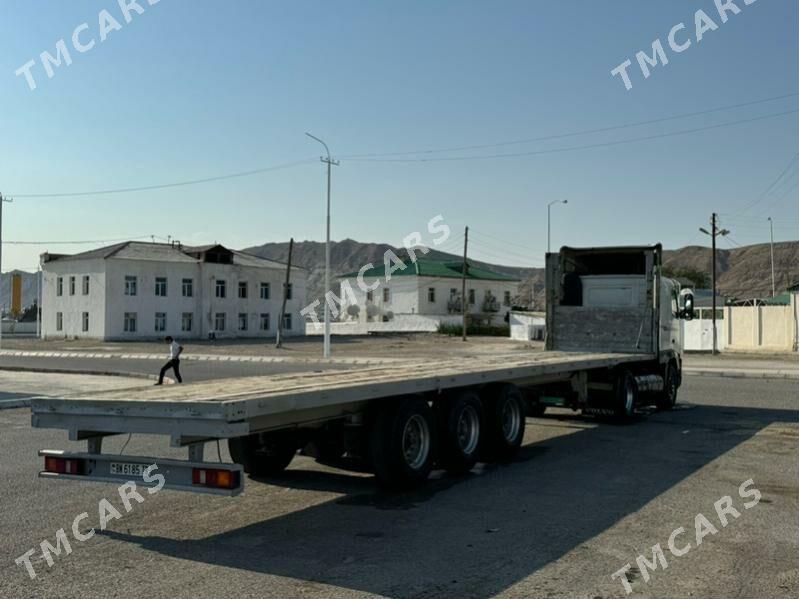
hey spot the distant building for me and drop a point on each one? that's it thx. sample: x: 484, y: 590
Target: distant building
x: 137, y: 290
x: 428, y: 291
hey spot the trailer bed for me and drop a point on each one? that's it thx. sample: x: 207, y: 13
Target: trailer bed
x: 238, y: 406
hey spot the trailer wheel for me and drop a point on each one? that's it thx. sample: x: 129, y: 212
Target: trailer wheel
x: 402, y: 443
x: 264, y: 454
x: 667, y: 398
x: 504, y: 422
x: 626, y: 396
x: 460, y: 423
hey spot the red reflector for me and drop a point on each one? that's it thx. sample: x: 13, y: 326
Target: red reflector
x: 63, y: 465
x: 212, y: 477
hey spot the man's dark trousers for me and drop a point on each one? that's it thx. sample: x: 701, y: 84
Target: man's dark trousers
x: 174, y: 365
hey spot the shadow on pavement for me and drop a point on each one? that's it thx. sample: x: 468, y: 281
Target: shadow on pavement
x: 479, y: 534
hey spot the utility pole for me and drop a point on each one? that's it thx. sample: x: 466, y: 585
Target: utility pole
x: 3, y: 200
x: 715, y: 233
x: 773, y: 281
x: 279, y: 341
x: 330, y: 163
x: 39, y: 302
x: 463, y: 281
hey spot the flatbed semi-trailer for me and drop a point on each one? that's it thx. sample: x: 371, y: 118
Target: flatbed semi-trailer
x: 402, y: 419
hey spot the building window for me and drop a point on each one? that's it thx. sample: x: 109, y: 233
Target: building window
x: 431, y: 295
x: 289, y: 290
x: 219, y: 321
x: 59, y: 321
x: 188, y: 287
x: 506, y: 298
x: 59, y: 286
x: 160, y: 322
x: 370, y: 296
x: 453, y: 291
x: 243, y: 291
x: 386, y: 295
x: 242, y: 321
x: 85, y: 322
x: 130, y: 322
x: 264, y: 291
x: 130, y: 285
x: 186, y: 322
x: 287, y: 321
x: 86, y: 285
x: 221, y: 288
x: 72, y: 285
x: 471, y: 296
x: 265, y: 322
x: 160, y: 286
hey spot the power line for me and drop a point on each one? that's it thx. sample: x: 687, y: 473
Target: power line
x: 576, y: 133
x: 582, y: 147
x: 163, y: 185
x: 794, y: 161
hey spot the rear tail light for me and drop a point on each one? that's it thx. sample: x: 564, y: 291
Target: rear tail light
x: 64, y: 465
x: 215, y: 478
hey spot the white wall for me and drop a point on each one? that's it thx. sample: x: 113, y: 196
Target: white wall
x: 73, y: 306
x: 409, y: 295
x: 107, y: 302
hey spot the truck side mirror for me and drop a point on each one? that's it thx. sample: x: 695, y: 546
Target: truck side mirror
x: 687, y: 297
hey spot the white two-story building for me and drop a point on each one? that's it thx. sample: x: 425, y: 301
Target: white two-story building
x: 137, y: 290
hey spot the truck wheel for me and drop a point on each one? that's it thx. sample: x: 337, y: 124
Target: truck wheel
x: 626, y: 396
x: 460, y: 421
x: 402, y: 443
x: 504, y: 422
x: 263, y: 454
x: 667, y: 398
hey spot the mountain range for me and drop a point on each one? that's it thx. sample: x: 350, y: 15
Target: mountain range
x: 743, y: 272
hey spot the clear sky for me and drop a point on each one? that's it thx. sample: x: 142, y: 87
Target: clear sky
x: 195, y: 89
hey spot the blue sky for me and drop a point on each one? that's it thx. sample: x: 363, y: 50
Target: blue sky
x: 193, y: 89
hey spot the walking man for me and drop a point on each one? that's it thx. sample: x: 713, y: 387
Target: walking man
x: 175, y: 349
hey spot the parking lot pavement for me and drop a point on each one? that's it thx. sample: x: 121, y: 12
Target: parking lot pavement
x: 583, y: 499
x: 16, y: 388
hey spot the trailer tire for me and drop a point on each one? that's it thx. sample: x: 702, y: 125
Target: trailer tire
x: 667, y: 398
x: 503, y: 432
x: 402, y: 443
x: 264, y: 454
x: 625, y: 397
x: 460, y: 423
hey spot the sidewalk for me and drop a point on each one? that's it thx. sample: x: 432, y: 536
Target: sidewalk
x: 742, y: 366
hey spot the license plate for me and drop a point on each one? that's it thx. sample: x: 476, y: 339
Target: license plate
x: 128, y: 468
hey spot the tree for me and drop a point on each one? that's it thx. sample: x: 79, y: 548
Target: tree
x: 699, y: 279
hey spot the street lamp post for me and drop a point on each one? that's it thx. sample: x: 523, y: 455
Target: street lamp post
x: 330, y: 163
x: 773, y: 281
x: 549, y: 220
x: 3, y: 200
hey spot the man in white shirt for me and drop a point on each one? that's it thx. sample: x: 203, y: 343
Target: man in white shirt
x: 175, y: 349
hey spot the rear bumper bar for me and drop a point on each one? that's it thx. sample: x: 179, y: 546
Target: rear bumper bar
x: 177, y: 475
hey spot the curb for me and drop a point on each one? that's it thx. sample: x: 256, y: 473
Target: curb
x: 744, y: 374
x: 130, y: 375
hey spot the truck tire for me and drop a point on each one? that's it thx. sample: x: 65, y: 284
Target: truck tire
x: 264, y: 454
x: 667, y: 398
x: 459, y: 427
x: 503, y: 431
x: 625, y: 397
x: 402, y: 443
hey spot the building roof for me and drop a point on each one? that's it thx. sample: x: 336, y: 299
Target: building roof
x: 423, y: 267
x: 164, y: 252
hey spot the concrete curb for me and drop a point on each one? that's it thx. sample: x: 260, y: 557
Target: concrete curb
x: 743, y: 374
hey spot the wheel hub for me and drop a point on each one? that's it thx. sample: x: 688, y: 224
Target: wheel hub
x: 416, y: 442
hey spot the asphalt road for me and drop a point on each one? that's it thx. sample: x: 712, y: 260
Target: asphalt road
x: 191, y: 370
x: 583, y: 499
